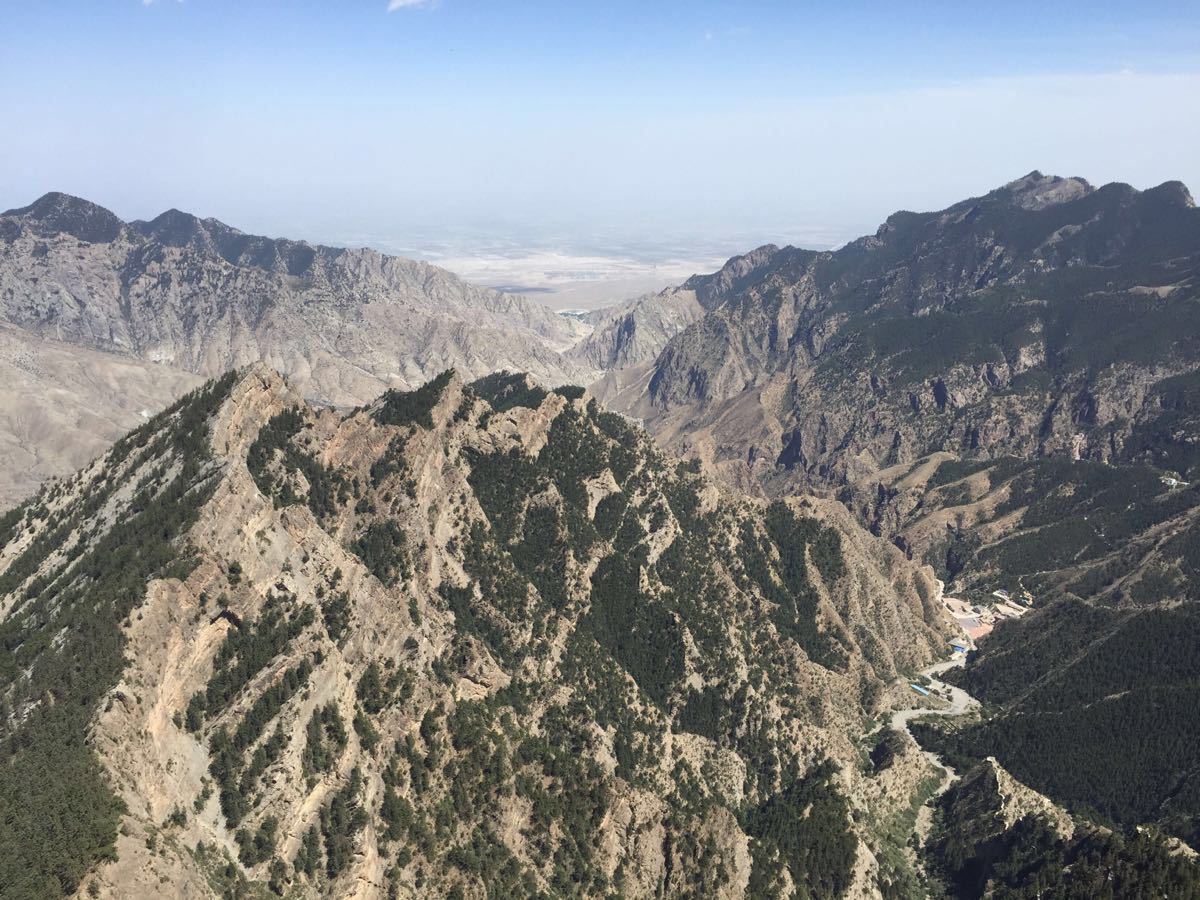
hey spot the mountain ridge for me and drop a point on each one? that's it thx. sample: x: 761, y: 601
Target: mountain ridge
x: 806, y: 317
x: 361, y: 612
x: 200, y: 297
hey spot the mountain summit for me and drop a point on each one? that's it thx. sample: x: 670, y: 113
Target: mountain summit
x: 56, y: 213
x: 1037, y: 191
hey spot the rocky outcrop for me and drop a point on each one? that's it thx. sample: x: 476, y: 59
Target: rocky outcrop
x: 635, y: 333
x: 986, y: 329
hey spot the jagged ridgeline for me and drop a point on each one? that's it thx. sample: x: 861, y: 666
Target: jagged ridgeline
x: 467, y: 641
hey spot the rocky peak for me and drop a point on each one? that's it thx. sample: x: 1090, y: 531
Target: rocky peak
x: 712, y: 289
x: 1174, y: 193
x: 1037, y: 191
x: 58, y: 213
x: 175, y: 228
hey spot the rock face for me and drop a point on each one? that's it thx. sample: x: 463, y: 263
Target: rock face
x: 199, y: 297
x: 635, y: 333
x: 203, y: 297
x: 1044, y: 318
x: 465, y: 639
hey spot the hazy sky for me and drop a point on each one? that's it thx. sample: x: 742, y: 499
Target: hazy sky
x: 332, y: 119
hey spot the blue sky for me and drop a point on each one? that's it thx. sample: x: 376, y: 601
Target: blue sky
x: 337, y: 120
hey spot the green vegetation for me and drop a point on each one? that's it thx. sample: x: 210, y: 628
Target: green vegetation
x: 368, y: 736
x: 1081, y: 512
x: 508, y: 603
x: 383, y: 548
x: 412, y: 407
x: 1087, y: 697
x: 259, y: 847
x: 803, y: 828
x: 543, y: 554
x: 267, y: 753
x: 637, y: 641
x: 638, y: 627
x: 1166, y: 440
x: 976, y: 854
x: 952, y: 470
x: 336, y: 611
x: 64, y: 649
x: 341, y: 821
x: 1095, y: 709
x: 371, y: 692
x: 777, y: 563
x: 642, y: 636
x: 10, y: 523
x: 308, y: 856
x: 325, y: 739
x: 497, y: 479
x: 245, y: 652
x: 1088, y: 313
x: 898, y: 877
x: 227, y: 763
x: 505, y: 390
x: 890, y: 745
x: 571, y: 391
x: 390, y: 463
x: 276, y: 440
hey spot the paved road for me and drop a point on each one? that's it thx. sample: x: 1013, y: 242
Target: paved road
x: 961, y: 703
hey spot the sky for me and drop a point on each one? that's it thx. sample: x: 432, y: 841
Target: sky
x: 673, y: 124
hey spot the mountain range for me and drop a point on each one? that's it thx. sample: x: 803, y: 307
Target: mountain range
x: 1039, y: 319
x: 360, y: 608
x: 197, y: 297
x: 1007, y: 390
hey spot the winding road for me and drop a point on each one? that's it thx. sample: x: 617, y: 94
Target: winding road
x: 961, y: 703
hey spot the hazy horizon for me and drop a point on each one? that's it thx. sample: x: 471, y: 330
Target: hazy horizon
x: 454, y: 129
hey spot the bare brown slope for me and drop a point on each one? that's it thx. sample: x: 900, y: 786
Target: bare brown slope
x: 63, y: 405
